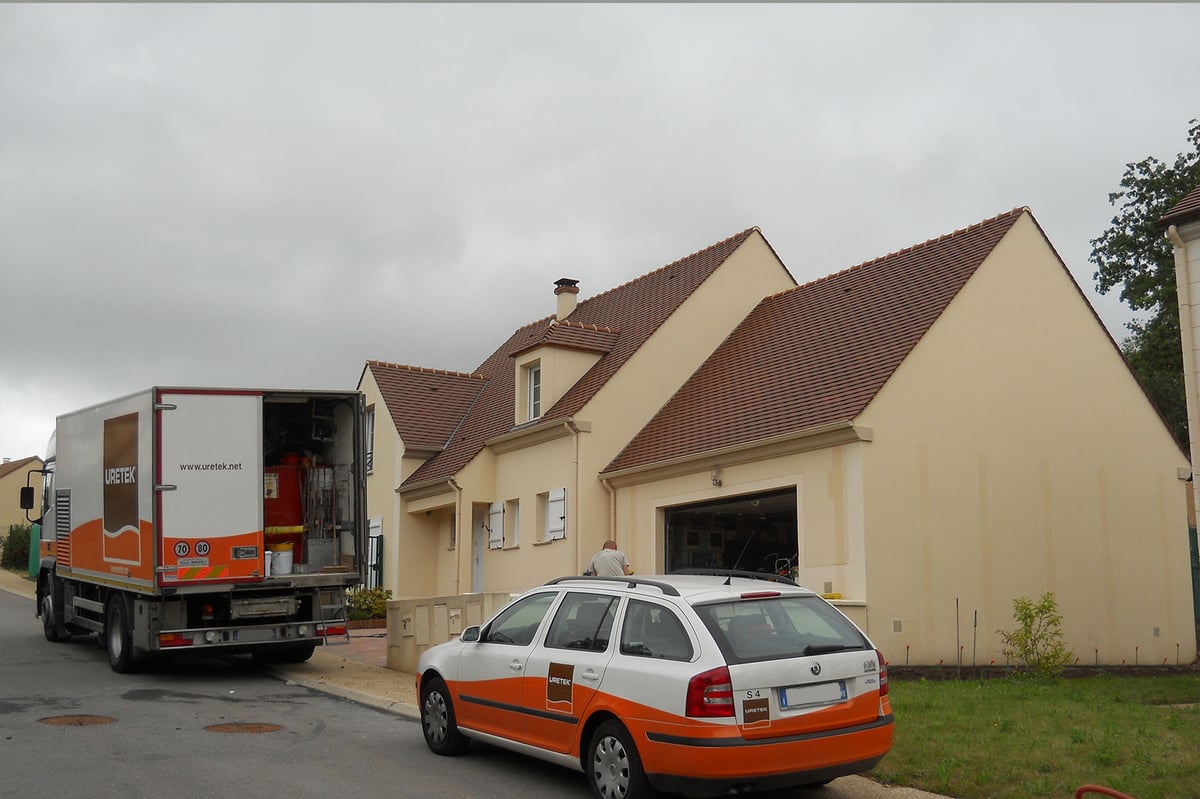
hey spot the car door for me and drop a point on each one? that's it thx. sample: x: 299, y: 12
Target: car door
x: 491, y: 670
x: 563, y: 673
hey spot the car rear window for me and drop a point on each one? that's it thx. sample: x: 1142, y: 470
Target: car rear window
x: 778, y: 627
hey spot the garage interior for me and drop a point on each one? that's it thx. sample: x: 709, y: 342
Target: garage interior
x: 751, y: 532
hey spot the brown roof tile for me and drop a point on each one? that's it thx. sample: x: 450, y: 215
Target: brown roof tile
x: 1185, y: 210
x: 574, y: 335
x: 632, y: 312
x: 12, y: 466
x: 426, y: 405
x: 816, y: 354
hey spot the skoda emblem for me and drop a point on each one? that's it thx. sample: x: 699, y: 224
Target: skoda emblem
x: 815, y: 669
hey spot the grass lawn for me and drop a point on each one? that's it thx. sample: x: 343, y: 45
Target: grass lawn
x: 1004, y: 738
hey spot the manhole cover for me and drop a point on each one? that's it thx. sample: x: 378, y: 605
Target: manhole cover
x: 77, y: 721
x: 243, y: 728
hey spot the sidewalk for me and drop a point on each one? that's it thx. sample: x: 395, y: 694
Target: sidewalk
x: 356, y: 671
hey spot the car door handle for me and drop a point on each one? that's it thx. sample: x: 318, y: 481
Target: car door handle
x: 590, y: 675
x: 516, y: 665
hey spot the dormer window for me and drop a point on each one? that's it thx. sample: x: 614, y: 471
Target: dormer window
x: 533, y: 385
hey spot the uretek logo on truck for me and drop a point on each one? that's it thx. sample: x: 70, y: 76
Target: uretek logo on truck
x: 167, y: 508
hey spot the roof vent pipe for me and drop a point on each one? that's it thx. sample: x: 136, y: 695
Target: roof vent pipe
x: 567, y: 291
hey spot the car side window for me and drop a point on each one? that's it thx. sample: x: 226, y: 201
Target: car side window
x: 654, y: 631
x: 583, y: 621
x: 518, y: 623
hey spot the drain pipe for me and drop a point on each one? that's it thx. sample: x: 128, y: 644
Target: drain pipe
x: 612, y: 510
x: 1183, y: 279
x: 458, y: 528
x: 575, y: 431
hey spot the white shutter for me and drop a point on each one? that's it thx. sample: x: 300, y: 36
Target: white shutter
x: 556, y: 514
x: 496, y: 525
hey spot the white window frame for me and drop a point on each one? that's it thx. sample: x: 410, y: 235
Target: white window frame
x: 556, y: 514
x: 533, y: 390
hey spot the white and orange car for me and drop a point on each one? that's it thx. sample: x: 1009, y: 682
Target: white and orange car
x: 701, y: 684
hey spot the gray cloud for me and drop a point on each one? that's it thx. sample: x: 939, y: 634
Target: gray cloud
x: 273, y: 194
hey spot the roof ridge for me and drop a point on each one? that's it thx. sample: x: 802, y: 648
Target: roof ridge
x: 678, y: 261
x: 911, y: 248
x: 425, y: 370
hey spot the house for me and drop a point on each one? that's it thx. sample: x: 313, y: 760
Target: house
x: 1181, y: 225
x: 12, y: 480
x: 923, y: 437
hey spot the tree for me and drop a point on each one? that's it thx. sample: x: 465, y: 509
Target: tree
x: 1135, y: 255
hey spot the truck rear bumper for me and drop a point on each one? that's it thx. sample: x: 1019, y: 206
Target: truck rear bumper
x: 246, y: 637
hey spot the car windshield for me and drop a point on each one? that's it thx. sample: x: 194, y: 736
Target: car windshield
x: 748, y: 630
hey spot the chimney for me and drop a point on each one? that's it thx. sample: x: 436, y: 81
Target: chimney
x: 566, y: 290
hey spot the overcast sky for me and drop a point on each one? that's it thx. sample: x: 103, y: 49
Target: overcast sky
x: 271, y: 195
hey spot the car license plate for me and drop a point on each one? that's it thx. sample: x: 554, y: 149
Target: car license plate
x: 823, y: 693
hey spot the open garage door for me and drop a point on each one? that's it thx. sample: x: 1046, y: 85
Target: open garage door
x: 751, y: 532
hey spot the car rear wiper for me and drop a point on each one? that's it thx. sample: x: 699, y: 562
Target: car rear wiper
x: 825, y: 649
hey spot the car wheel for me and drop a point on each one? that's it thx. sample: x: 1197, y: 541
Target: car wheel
x: 51, y: 627
x: 118, y: 635
x: 437, y: 719
x: 614, y: 769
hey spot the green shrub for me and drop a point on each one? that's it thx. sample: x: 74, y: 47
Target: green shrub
x: 1038, y: 640
x: 16, y: 548
x: 367, y: 603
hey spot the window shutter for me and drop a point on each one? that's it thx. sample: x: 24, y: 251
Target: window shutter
x: 496, y: 525
x: 556, y: 514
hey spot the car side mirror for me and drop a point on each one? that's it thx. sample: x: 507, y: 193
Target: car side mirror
x: 470, y: 635
x: 26, y: 497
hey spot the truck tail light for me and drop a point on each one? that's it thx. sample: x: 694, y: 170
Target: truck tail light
x: 710, y: 694
x: 332, y: 629
x: 167, y: 640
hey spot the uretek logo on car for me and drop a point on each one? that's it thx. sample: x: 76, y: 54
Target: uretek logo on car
x: 815, y: 668
x: 559, y: 680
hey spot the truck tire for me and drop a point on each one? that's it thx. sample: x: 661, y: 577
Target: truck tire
x: 118, y: 634
x: 52, y: 626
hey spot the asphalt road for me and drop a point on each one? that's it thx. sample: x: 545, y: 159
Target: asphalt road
x: 70, y: 726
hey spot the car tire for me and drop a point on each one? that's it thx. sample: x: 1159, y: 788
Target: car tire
x: 118, y: 635
x: 438, y: 721
x: 613, y: 766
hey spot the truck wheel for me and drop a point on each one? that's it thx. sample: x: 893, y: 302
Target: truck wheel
x: 53, y: 628
x: 437, y: 720
x: 118, y: 634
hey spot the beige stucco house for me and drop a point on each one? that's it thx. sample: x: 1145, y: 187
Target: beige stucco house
x: 923, y: 437
x: 12, y: 480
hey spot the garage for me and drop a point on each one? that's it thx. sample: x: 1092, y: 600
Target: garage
x: 750, y: 532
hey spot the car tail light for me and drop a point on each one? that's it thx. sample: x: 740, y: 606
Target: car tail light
x: 710, y: 695
x: 760, y: 594
x: 883, y: 680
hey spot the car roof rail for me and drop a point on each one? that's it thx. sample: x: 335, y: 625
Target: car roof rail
x: 631, y: 582
x: 727, y: 573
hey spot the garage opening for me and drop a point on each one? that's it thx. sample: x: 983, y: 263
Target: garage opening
x: 751, y: 532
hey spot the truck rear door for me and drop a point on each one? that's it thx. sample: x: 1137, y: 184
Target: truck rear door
x: 209, y: 486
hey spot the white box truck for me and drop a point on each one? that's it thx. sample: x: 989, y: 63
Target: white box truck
x: 204, y: 520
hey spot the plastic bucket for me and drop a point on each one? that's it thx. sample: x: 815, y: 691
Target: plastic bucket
x: 281, y: 558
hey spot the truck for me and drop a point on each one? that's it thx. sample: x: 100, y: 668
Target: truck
x: 207, y: 521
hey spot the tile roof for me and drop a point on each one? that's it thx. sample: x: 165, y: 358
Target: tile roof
x: 574, y: 335
x: 1185, y: 210
x: 426, y: 405
x: 630, y: 312
x: 816, y: 354
x: 12, y: 466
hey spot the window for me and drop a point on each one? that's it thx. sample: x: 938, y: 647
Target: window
x: 519, y: 623
x: 370, y: 436
x: 495, y: 525
x: 534, y: 384
x: 556, y: 513
x: 654, y: 631
x: 776, y: 629
x: 583, y: 621
x: 512, y: 523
